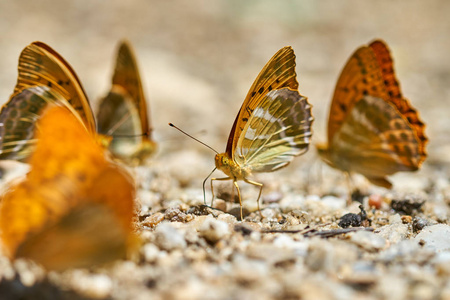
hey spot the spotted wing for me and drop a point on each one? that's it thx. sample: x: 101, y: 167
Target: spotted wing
x: 392, y: 86
x: 278, y: 129
x: 122, y: 113
x: 376, y: 140
x: 18, y: 120
x: 360, y: 76
x: 278, y: 73
x: 369, y: 71
x: 40, y: 65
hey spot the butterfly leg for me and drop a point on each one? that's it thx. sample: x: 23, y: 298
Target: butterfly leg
x: 212, y: 187
x: 260, y: 185
x: 239, y: 196
x: 348, y: 180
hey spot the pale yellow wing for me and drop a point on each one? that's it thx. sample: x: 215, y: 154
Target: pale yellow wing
x: 278, y: 129
x: 278, y: 73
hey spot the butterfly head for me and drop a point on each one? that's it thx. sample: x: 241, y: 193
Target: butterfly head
x: 230, y: 167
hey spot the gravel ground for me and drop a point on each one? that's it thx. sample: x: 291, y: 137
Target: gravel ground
x: 199, y: 58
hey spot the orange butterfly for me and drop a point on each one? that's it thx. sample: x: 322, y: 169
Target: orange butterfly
x: 372, y: 129
x: 75, y: 207
x: 272, y: 126
x: 122, y: 113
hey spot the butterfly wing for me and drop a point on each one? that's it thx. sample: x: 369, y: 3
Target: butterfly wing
x: 40, y: 65
x: 361, y: 76
x: 278, y: 129
x: 392, y: 86
x: 376, y: 140
x: 369, y: 72
x: 278, y: 73
x: 123, y: 112
x: 44, y: 77
x: 18, y: 120
x: 69, y: 179
x: 74, y: 240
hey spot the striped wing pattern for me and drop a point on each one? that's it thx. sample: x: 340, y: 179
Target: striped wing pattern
x: 40, y: 65
x: 278, y: 129
x: 278, y: 73
x: 18, y: 120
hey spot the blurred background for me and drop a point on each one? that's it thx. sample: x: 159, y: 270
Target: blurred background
x: 198, y: 58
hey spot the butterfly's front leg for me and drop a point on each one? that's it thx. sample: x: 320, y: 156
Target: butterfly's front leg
x: 260, y: 191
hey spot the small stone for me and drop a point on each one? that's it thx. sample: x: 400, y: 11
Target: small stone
x: 406, y: 219
x: 352, y: 219
x: 150, y: 252
x: 271, y: 254
x: 442, y: 263
x: 244, y: 228
x: 334, y: 203
x: 368, y: 240
x: 419, y: 224
x: 227, y: 218
x: 375, y: 201
x: 176, y: 215
x: 408, y: 206
x: 284, y: 241
x: 435, y: 237
x: 391, y: 287
x: 220, y: 204
x: 94, y: 286
x: 407, y: 251
x: 272, y: 197
x: 168, y: 237
x: 395, y: 219
x: 153, y: 220
x: 236, y: 212
x: 214, y: 230
x: 394, y: 233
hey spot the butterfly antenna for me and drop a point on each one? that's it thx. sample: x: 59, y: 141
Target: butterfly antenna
x: 171, y: 125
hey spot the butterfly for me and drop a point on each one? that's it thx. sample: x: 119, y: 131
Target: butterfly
x: 44, y: 78
x: 372, y: 129
x: 272, y: 126
x: 122, y: 113
x: 75, y: 207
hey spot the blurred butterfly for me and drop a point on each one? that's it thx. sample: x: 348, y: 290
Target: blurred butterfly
x: 272, y: 126
x: 44, y: 77
x: 122, y: 113
x: 75, y: 207
x: 372, y: 129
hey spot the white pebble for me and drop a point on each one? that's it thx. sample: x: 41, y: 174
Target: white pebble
x: 213, y: 230
x: 167, y: 237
